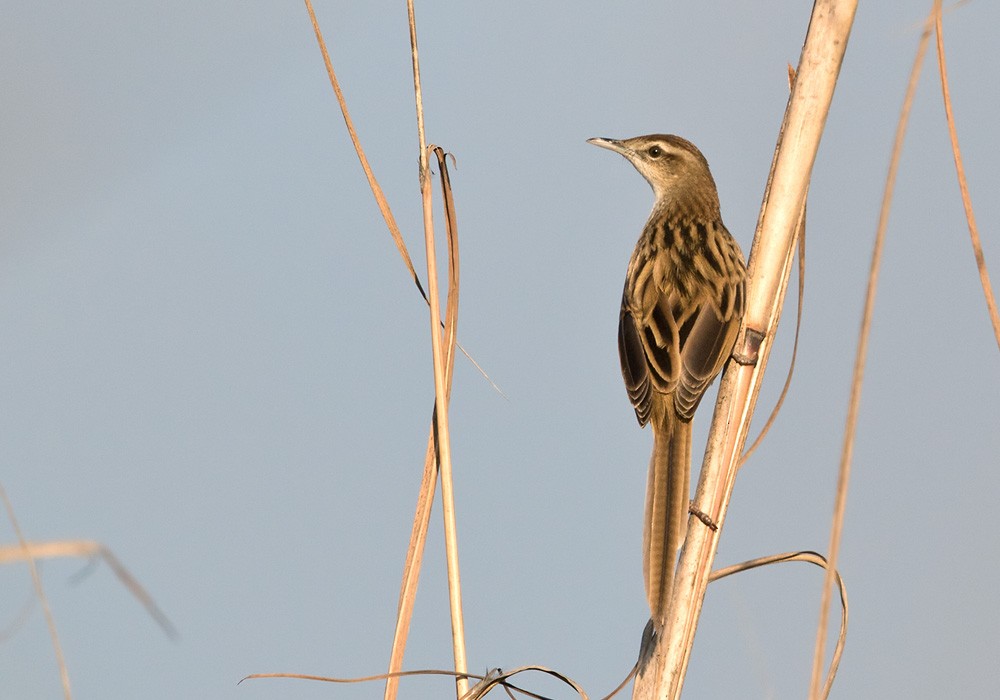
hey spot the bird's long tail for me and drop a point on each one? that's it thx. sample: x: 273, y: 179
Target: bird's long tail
x: 665, y: 524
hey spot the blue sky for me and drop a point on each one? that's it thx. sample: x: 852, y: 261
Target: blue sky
x: 214, y: 363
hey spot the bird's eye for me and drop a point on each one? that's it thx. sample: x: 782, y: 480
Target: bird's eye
x: 655, y: 151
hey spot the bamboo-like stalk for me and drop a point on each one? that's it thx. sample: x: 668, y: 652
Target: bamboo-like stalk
x: 440, y: 389
x: 663, y: 662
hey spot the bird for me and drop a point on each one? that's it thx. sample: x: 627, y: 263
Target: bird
x: 681, y: 311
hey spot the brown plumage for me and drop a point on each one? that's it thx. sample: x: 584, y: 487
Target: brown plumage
x: 681, y: 310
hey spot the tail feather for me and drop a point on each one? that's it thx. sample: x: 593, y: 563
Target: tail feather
x: 665, y: 523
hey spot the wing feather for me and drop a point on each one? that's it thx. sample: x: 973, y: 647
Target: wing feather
x: 674, y: 336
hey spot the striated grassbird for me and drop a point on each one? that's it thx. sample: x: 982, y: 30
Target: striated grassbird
x: 681, y: 311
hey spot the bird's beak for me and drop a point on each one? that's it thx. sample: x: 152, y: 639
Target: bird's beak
x: 612, y: 145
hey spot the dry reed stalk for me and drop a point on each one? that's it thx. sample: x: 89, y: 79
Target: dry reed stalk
x: 443, y: 443
x: 425, y: 498
x: 441, y: 391
x: 411, y: 572
x: 663, y: 661
x: 418, y: 535
x: 36, y: 580
x: 29, y: 551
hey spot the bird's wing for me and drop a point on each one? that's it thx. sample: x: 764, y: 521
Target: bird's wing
x: 649, y: 345
x: 634, y: 368
x: 673, y: 347
x: 706, y: 341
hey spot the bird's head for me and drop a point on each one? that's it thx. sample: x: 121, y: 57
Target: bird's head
x: 673, y: 167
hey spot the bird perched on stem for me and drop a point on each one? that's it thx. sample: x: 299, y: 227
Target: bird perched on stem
x: 681, y: 311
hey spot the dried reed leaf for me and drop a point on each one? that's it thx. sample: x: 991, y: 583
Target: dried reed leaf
x: 861, y: 355
x: 380, y: 200
x: 810, y: 558
x: 493, y: 679
x: 970, y: 217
